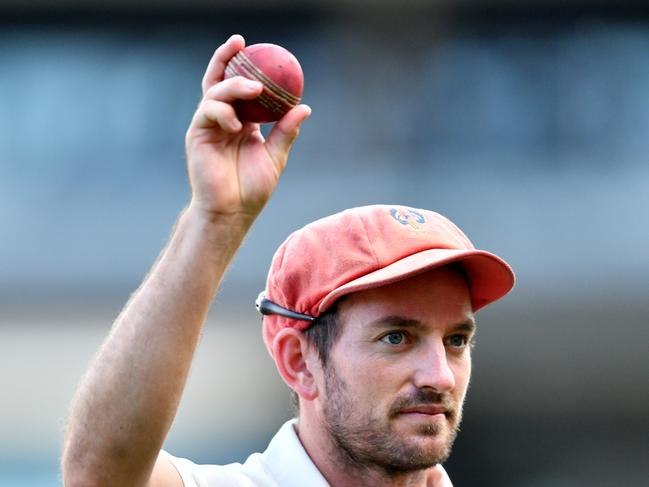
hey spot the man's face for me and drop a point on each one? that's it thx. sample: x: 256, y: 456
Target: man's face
x: 396, y: 378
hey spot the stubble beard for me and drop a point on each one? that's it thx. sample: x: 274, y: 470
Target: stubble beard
x: 366, y: 442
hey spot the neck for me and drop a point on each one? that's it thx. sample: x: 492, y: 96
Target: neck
x: 341, y: 470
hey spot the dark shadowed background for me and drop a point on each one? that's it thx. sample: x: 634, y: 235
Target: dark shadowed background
x: 525, y: 122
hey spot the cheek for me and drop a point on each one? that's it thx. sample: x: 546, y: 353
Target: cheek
x: 369, y: 381
x: 462, y: 372
x: 380, y: 383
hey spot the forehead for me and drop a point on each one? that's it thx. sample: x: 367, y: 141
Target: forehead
x: 436, y: 298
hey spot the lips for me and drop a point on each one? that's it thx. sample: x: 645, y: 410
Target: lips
x: 429, y: 410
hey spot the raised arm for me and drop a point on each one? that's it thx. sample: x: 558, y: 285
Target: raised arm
x: 126, y: 401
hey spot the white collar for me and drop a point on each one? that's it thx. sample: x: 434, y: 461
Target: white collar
x: 289, y: 462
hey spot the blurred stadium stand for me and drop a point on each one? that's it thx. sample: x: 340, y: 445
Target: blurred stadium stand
x: 525, y: 122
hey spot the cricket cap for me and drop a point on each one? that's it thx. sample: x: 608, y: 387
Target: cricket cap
x: 364, y: 248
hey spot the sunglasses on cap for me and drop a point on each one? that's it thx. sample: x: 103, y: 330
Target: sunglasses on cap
x: 267, y: 307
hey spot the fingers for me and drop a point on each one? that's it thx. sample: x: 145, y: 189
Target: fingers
x: 216, y: 66
x: 213, y: 113
x: 235, y: 88
x: 216, y: 109
x: 285, y: 132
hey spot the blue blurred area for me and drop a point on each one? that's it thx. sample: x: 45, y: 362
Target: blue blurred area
x: 39, y: 476
x: 530, y: 132
x: 543, y: 127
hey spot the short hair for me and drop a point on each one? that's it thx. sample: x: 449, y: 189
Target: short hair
x: 321, y: 335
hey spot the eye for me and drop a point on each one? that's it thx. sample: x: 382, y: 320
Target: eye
x: 457, y: 341
x: 394, y: 338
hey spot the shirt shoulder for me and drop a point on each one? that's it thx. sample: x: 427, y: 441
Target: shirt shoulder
x: 285, y: 463
x: 231, y: 475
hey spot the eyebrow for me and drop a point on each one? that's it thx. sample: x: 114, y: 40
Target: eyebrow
x: 403, y: 322
x: 468, y: 326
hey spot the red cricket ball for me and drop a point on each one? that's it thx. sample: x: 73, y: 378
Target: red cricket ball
x: 281, y: 74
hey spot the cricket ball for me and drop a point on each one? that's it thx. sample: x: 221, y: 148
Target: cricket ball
x: 281, y: 75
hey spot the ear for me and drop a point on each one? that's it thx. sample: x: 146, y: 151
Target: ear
x: 294, y: 362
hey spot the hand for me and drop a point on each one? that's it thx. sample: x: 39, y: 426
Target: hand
x: 232, y: 169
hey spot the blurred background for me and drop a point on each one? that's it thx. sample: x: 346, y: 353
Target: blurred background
x: 527, y: 123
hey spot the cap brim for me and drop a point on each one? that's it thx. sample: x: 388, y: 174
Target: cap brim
x: 490, y: 277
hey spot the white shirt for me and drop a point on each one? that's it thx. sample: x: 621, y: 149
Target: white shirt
x: 285, y: 463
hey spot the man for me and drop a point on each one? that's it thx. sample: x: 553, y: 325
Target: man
x: 368, y: 315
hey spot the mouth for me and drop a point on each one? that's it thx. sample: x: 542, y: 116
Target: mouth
x: 432, y: 410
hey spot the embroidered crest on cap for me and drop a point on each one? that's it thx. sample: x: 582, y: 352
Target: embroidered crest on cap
x: 407, y: 216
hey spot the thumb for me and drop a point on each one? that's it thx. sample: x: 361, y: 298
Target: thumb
x: 285, y: 132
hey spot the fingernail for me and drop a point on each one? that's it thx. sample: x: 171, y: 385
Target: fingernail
x: 307, y: 114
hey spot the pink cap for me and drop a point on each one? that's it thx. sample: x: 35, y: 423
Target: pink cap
x: 368, y: 247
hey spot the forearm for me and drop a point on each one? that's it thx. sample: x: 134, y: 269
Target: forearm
x: 126, y: 402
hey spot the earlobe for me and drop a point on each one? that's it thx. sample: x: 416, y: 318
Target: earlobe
x: 290, y: 351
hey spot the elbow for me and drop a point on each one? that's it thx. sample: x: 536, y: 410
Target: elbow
x: 76, y: 472
x: 77, y: 481
x: 83, y: 468
x: 75, y: 477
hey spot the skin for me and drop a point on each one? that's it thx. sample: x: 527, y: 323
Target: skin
x: 138, y: 375
x: 385, y: 410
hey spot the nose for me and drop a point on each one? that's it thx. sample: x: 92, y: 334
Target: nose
x: 433, y: 370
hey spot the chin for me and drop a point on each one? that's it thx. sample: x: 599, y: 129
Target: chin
x: 435, y: 449
x: 432, y: 444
